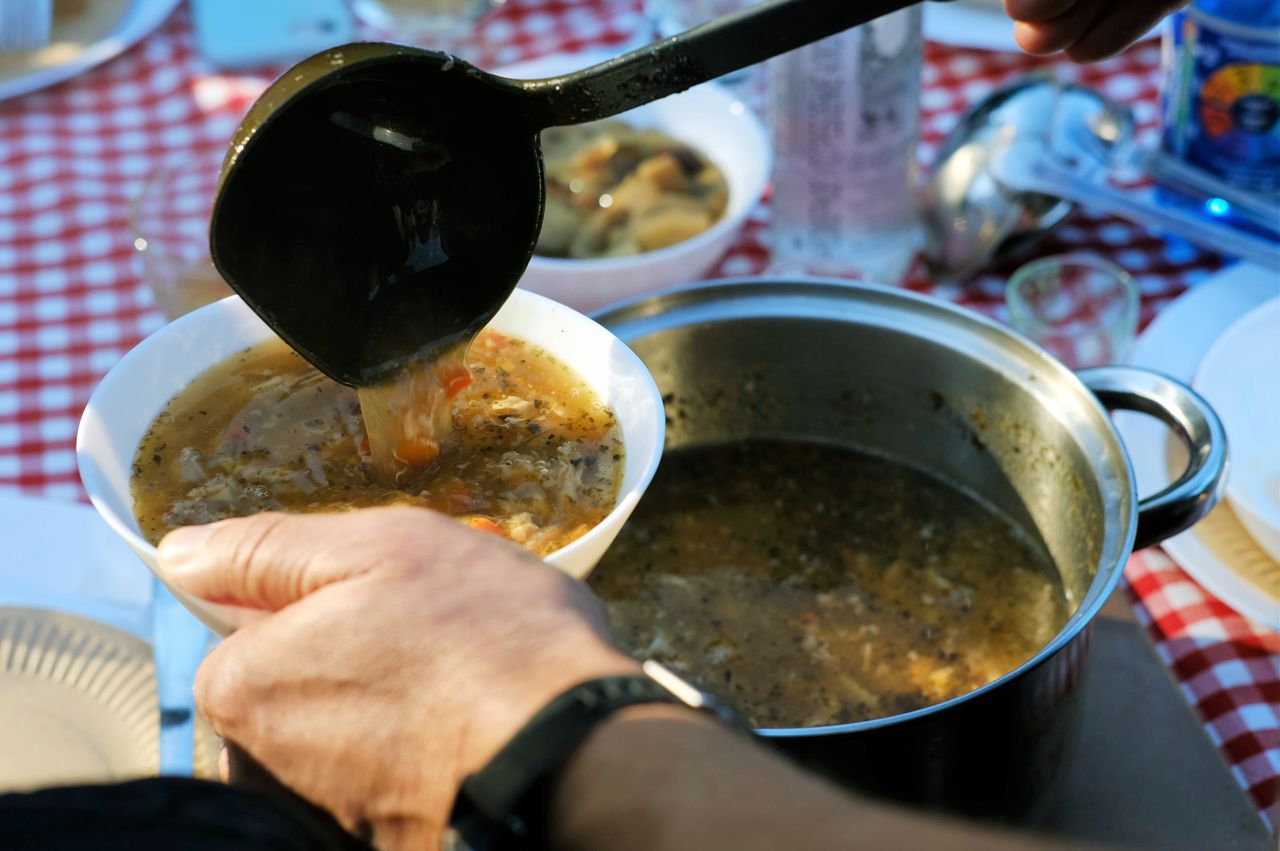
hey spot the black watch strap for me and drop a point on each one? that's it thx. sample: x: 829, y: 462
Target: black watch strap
x: 505, y: 804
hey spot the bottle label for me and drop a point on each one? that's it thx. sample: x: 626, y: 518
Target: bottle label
x: 1222, y: 99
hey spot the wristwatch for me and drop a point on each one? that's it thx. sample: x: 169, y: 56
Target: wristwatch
x: 505, y: 804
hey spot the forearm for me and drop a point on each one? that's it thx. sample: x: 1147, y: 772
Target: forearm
x: 658, y: 778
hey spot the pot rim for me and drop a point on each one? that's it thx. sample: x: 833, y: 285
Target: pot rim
x: 744, y: 298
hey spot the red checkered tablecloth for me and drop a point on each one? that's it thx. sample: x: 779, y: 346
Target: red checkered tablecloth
x: 71, y: 299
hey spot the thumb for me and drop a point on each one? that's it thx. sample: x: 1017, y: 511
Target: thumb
x: 265, y: 561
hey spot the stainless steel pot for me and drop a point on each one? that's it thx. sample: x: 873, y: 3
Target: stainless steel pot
x: 948, y: 391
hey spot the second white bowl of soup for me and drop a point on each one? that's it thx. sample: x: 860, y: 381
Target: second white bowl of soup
x: 650, y: 191
x: 555, y: 407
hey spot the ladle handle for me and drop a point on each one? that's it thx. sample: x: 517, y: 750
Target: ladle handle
x: 718, y: 47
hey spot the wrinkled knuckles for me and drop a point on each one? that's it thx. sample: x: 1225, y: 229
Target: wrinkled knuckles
x: 220, y: 691
x: 249, y: 555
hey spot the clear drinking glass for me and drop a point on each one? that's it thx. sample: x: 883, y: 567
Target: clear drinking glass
x: 1081, y: 309
x: 170, y: 229
x: 844, y: 114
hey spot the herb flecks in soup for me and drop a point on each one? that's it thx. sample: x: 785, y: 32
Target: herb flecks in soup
x: 531, y: 453
x: 812, y: 585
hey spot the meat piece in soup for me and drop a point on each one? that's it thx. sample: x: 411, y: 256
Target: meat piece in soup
x: 811, y: 585
x: 531, y: 452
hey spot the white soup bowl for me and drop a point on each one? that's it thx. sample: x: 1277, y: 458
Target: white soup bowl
x: 144, y: 380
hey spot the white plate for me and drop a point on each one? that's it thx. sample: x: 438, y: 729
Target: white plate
x: 78, y: 704
x: 38, y: 69
x: 1240, y: 377
x: 1218, y: 553
x: 975, y: 23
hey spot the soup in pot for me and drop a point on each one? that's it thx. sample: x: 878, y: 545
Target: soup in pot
x: 811, y: 584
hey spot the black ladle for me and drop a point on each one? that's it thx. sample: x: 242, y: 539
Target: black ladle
x: 381, y: 201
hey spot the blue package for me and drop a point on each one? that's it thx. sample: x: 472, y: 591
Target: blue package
x: 1222, y: 91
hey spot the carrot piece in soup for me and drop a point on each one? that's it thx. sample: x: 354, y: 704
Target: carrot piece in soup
x: 456, y: 381
x: 484, y: 524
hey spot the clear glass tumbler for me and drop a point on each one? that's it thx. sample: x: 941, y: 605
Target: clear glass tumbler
x: 170, y: 229
x: 844, y: 114
x: 1082, y: 309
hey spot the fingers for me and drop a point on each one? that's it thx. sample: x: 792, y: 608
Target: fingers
x: 270, y: 560
x: 1038, y: 11
x: 266, y: 561
x: 1124, y: 24
x: 1040, y: 32
x: 220, y: 687
x: 1088, y: 30
x: 1038, y: 40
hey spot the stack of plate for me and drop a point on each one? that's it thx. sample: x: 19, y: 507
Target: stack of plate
x: 78, y: 698
x: 78, y: 703
x: 1240, y: 376
x: 1224, y: 337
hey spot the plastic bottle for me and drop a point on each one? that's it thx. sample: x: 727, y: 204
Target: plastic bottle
x: 1221, y: 104
x: 845, y: 116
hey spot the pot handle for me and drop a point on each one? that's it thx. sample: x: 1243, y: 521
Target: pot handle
x: 1179, y: 506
